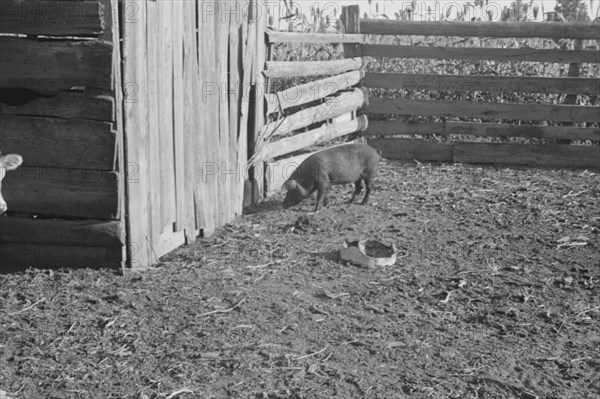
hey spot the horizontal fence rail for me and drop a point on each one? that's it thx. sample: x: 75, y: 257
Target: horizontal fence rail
x: 513, y: 111
x: 338, y: 105
x: 287, y: 69
x: 312, y: 91
x: 523, y: 154
x: 482, y: 83
x: 402, y: 127
x: 314, y: 38
x: 325, y: 132
x: 554, y: 155
x: 481, y: 29
x: 495, y: 54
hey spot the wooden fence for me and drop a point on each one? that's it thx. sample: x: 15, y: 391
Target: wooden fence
x: 453, y: 120
x: 306, y: 115
x: 436, y: 130
x: 134, y: 130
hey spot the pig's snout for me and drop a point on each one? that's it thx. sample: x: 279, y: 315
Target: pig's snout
x: 288, y: 202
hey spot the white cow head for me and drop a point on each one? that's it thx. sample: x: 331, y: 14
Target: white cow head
x: 7, y: 162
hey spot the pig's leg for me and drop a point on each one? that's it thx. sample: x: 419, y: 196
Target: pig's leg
x: 369, y: 184
x: 357, y: 190
x: 322, y: 195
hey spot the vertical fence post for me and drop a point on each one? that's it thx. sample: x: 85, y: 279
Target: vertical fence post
x: 573, y: 73
x: 351, y: 22
x: 256, y: 187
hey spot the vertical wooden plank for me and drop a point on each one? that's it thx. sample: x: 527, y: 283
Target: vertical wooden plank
x: 214, y: 156
x: 247, y: 123
x: 165, y: 114
x: 136, y: 131
x: 112, y: 34
x: 194, y: 132
x: 206, y: 172
x: 250, y: 74
x: 178, y: 104
x: 247, y: 40
x: 222, y: 32
x: 200, y: 190
x: 254, y: 13
x: 154, y: 106
x: 190, y: 114
x: 233, y: 175
x: 258, y: 175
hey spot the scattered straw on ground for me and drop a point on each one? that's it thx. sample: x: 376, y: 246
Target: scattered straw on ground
x: 494, y: 295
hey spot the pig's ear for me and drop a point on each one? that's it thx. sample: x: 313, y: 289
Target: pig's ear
x: 11, y: 161
x: 290, y: 184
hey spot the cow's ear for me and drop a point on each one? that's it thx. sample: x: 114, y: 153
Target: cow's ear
x: 11, y: 161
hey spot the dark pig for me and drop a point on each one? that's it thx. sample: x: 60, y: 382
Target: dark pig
x: 348, y: 163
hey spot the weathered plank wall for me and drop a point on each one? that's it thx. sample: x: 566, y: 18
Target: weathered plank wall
x: 186, y: 63
x: 58, y: 110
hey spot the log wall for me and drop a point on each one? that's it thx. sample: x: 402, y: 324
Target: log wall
x: 132, y: 119
x: 58, y: 109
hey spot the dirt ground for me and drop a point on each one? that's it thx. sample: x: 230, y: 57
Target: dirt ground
x: 495, y: 294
